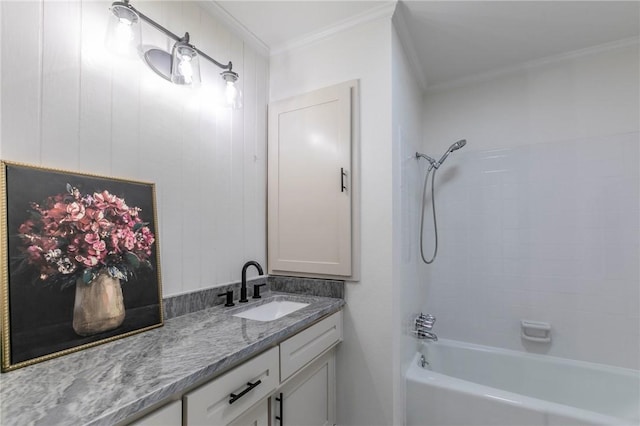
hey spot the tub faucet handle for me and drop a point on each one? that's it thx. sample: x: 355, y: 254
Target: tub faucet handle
x: 423, y: 325
x: 425, y: 321
x: 426, y: 317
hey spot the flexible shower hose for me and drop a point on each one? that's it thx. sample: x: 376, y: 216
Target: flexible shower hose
x: 435, y: 224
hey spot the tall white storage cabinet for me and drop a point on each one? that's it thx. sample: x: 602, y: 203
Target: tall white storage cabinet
x: 310, y: 183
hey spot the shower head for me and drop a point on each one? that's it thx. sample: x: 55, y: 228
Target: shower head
x: 455, y: 146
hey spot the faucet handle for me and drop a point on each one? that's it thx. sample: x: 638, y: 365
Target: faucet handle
x: 426, y: 317
x: 229, y: 296
x: 256, y: 290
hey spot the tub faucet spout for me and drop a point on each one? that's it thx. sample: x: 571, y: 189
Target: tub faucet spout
x: 426, y: 335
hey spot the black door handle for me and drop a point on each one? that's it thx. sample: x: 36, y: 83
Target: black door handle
x: 281, y: 416
x: 250, y: 386
x: 343, y: 174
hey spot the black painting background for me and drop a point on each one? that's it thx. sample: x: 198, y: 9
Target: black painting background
x: 41, y: 314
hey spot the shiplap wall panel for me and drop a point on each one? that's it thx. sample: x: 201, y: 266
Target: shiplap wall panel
x: 21, y: 85
x: 262, y: 92
x: 67, y: 102
x: 208, y: 162
x: 222, y: 177
x: 61, y: 83
x: 95, y: 94
x: 248, y: 160
x: 237, y: 165
x: 125, y: 119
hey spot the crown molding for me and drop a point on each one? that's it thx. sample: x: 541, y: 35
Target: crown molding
x: 491, y: 75
x: 236, y: 27
x: 402, y: 28
x: 383, y: 11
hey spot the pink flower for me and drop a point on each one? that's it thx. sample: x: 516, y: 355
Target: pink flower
x: 92, y: 238
x: 129, y: 241
x: 95, y: 214
x: 99, y: 246
x: 87, y: 261
x: 121, y: 206
x: 103, y: 199
x: 75, y: 211
x: 35, y: 253
x: 26, y: 227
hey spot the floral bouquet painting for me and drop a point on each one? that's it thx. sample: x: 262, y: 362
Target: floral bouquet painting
x: 83, y: 241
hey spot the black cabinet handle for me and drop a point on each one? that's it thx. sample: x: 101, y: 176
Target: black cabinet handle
x: 250, y: 386
x: 343, y: 174
x: 281, y: 416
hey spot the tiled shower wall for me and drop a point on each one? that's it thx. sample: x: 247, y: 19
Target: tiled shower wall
x: 537, y: 225
x: 68, y: 103
x: 545, y: 232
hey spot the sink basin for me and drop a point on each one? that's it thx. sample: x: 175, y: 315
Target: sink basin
x: 271, y: 311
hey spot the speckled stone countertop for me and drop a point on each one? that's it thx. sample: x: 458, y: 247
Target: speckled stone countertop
x: 111, y: 382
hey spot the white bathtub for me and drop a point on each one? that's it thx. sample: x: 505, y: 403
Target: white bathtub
x: 467, y: 384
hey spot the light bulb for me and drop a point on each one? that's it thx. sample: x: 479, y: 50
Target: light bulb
x: 231, y: 93
x: 123, y: 32
x: 123, y: 36
x: 185, y: 69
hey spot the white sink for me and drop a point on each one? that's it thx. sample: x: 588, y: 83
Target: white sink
x: 271, y: 311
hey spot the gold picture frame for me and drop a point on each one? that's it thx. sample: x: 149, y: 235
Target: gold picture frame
x: 80, y: 262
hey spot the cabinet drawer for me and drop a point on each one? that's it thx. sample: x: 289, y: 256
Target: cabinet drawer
x: 302, y: 348
x: 210, y: 404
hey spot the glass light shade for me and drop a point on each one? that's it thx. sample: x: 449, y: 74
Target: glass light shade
x: 185, y: 68
x: 123, y: 32
x: 233, y: 95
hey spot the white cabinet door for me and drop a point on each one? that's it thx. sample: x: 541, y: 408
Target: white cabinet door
x: 309, y: 183
x: 309, y: 397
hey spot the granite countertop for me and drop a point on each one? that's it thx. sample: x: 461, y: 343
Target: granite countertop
x: 111, y: 382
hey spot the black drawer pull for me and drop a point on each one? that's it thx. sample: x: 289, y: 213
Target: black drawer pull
x: 250, y: 386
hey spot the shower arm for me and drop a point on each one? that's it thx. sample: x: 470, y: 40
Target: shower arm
x: 432, y: 161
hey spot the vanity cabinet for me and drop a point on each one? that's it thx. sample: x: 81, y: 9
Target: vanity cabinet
x: 294, y: 381
x: 311, y: 183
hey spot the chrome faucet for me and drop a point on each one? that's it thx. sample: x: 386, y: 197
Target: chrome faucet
x: 243, y: 289
x: 423, y: 325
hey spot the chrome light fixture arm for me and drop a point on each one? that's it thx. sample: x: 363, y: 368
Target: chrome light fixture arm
x: 185, y: 38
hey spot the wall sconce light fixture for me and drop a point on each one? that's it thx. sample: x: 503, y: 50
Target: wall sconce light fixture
x: 181, y: 66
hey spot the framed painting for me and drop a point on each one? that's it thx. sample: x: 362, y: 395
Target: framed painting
x: 80, y: 262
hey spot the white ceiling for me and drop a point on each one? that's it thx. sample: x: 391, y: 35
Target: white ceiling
x: 455, y: 40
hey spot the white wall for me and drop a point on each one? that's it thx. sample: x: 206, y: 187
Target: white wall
x: 539, y: 214
x: 67, y: 103
x: 364, y: 367
x: 408, y: 288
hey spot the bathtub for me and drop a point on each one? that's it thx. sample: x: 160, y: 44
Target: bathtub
x: 467, y: 384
